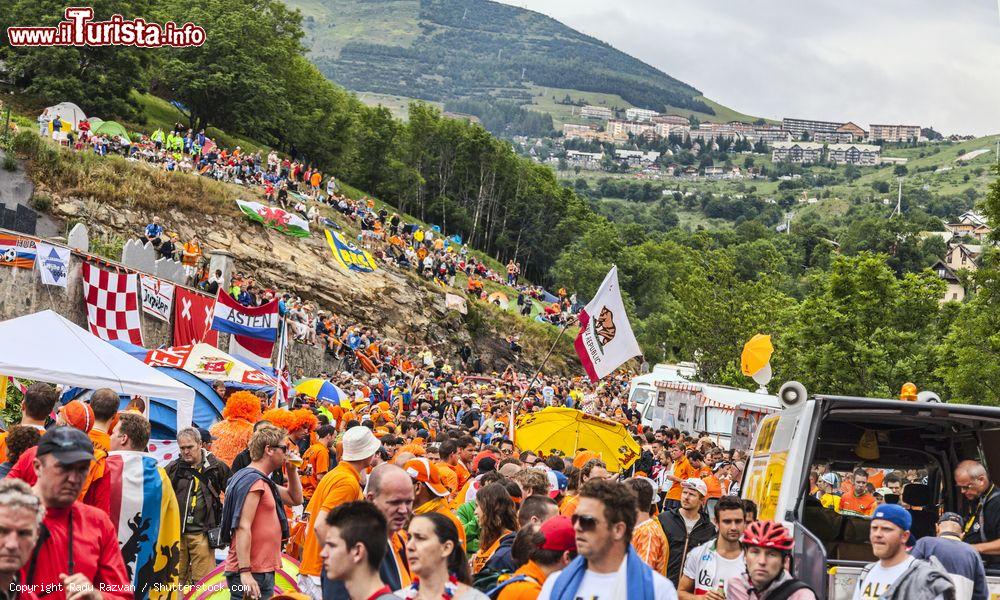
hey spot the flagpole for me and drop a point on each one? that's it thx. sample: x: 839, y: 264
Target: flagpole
x: 514, y: 405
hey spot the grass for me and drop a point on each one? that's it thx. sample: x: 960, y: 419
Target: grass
x: 329, y: 24
x: 722, y: 114
x: 548, y: 100
x: 160, y: 114
x: 114, y: 180
x: 399, y: 106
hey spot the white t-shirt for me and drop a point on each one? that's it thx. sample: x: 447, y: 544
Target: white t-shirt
x: 690, y: 523
x: 610, y: 586
x: 708, y: 570
x: 880, y: 579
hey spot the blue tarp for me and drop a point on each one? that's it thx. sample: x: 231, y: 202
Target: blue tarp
x: 207, y: 404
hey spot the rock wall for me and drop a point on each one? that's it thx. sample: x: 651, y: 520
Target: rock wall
x: 399, y: 306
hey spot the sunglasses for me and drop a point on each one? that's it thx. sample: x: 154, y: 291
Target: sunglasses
x: 586, y: 522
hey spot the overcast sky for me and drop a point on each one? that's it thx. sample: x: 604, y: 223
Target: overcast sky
x: 919, y: 62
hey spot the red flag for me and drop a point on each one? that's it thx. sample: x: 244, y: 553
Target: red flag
x: 193, y: 319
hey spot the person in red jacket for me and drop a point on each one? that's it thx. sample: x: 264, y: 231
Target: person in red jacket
x: 77, y: 555
x: 20, y: 519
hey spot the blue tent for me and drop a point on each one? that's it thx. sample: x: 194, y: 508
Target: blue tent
x: 547, y: 297
x: 163, y: 413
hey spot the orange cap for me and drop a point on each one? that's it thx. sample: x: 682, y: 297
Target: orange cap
x: 421, y: 469
x: 583, y: 457
x: 79, y: 415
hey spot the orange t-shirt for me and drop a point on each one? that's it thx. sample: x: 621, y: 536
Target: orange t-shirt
x: 876, y: 477
x: 461, y: 472
x: 682, y: 470
x: 568, y: 506
x: 100, y: 439
x: 863, y: 506
x: 651, y: 545
x: 339, y: 486
x: 527, y: 589
x: 713, y: 484
x: 448, y: 477
x: 317, y: 457
x: 440, y: 506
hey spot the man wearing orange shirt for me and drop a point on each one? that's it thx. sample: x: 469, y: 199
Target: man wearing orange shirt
x: 339, y: 486
x: 682, y: 471
x: 105, y: 403
x: 430, y: 495
x: 316, y: 460
x: 858, y: 502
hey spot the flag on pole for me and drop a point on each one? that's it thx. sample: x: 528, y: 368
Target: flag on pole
x: 145, y: 513
x: 254, y: 329
x: 606, y: 339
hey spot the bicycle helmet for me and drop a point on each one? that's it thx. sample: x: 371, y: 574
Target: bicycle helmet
x: 767, y: 534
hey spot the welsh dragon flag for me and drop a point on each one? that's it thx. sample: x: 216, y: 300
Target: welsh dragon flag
x: 276, y: 218
x: 606, y: 339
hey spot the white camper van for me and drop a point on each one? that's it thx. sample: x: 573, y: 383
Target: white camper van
x: 642, y: 388
x: 713, y: 409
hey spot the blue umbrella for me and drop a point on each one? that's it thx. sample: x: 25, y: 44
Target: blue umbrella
x: 320, y: 389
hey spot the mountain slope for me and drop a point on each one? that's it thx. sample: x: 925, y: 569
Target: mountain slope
x: 446, y: 49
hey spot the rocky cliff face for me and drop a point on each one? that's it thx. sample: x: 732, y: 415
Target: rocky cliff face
x: 399, y: 305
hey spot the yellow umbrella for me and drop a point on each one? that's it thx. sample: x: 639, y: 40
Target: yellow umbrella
x: 566, y: 430
x: 756, y: 354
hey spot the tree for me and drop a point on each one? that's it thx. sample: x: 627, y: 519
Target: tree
x: 235, y: 80
x: 100, y: 79
x: 970, y: 353
x: 900, y: 170
x: 862, y: 331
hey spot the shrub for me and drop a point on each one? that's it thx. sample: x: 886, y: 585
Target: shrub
x: 41, y: 202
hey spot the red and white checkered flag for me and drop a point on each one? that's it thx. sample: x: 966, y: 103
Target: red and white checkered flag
x: 112, y: 304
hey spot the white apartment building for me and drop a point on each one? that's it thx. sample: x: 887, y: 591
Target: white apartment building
x: 894, y: 133
x: 596, y: 112
x: 640, y: 114
x: 854, y: 154
x: 796, y: 152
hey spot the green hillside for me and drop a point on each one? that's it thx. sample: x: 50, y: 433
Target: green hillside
x: 441, y: 50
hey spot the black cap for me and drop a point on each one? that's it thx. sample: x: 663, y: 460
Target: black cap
x: 67, y: 444
x: 952, y: 517
x: 206, y: 435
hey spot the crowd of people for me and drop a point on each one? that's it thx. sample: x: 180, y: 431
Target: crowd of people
x: 417, y: 491
x: 414, y: 486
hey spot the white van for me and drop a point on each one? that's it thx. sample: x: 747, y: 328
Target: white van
x: 642, y: 388
x: 701, y: 407
x: 923, y: 440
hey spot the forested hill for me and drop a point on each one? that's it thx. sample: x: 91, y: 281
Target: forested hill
x: 448, y: 49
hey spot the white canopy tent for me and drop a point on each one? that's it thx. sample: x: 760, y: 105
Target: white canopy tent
x: 44, y: 346
x: 67, y: 112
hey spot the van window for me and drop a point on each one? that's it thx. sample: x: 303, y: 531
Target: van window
x: 643, y: 395
x: 865, y: 457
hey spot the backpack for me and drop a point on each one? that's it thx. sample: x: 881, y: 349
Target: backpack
x: 785, y: 590
x: 488, y: 581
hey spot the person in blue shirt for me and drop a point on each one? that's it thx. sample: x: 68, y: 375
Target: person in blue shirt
x: 154, y: 230
x: 958, y: 558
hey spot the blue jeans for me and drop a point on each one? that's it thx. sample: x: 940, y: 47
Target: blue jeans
x: 264, y: 580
